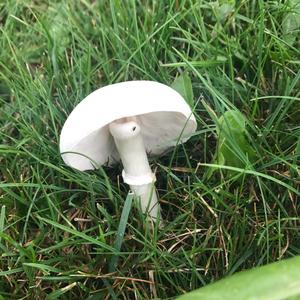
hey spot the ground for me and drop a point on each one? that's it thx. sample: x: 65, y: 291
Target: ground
x: 60, y: 230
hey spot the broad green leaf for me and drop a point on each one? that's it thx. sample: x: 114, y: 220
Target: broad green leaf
x: 232, y: 120
x: 233, y: 148
x: 183, y: 85
x: 276, y: 281
x: 59, y: 28
x: 291, y: 22
x: 223, y: 8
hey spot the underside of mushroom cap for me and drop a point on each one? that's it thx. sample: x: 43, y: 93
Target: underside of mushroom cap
x: 163, y: 115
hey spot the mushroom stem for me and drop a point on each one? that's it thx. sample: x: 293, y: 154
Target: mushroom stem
x: 137, y: 172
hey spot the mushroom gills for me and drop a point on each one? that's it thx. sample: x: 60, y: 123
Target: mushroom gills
x: 137, y: 172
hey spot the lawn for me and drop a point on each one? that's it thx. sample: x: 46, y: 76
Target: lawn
x: 60, y: 228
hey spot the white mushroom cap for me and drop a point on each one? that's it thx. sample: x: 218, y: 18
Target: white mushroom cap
x: 163, y: 115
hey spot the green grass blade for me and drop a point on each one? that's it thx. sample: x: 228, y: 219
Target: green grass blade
x: 58, y: 293
x: 121, y: 231
x: 2, y: 219
x: 79, y: 234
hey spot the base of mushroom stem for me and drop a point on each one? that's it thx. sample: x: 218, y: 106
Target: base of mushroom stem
x: 148, y: 200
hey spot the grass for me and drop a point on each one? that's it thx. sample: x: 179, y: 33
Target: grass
x: 60, y: 228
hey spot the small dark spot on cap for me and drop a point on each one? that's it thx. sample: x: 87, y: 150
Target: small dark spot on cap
x: 134, y: 128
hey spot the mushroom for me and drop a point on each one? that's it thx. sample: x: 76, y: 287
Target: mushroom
x: 126, y: 121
